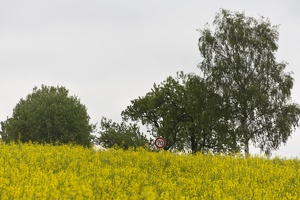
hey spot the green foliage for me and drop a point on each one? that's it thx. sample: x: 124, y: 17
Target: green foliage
x: 48, y: 115
x: 161, y: 109
x: 239, y: 61
x: 207, y: 126
x: 123, y: 135
x: 186, y: 112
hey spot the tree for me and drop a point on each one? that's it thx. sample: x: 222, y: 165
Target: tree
x: 48, y: 115
x: 161, y: 110
x: 123, y: 135
x: 182, y: 111
x: 207, y: 122
x: 239, y: 61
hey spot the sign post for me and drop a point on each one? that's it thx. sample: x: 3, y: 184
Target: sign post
x: 160, y: 142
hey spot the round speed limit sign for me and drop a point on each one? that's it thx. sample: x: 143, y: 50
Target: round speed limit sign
x: 160, y: 142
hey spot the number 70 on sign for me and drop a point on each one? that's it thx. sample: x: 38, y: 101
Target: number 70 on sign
x: 160, y: 142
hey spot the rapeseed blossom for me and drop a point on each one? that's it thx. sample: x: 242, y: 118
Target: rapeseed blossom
x: 34, y: 171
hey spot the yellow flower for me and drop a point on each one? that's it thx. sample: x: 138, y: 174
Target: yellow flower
x: 33, y: 171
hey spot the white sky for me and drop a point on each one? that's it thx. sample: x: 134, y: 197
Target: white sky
x: 108, y: 52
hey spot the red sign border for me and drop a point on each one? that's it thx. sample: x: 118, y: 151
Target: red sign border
x: 165, y: 142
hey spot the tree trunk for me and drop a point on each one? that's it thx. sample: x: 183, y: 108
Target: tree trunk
x: 193, y: 143
x: 246, y: 139
x: 246, y: 135
x: 246, y: 148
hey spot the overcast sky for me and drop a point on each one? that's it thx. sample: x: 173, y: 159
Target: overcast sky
x: 108, y: 52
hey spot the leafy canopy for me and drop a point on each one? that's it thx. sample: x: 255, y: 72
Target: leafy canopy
x: 239, y: 61
x: 186, y: 112
x: 48, y: 115
x: 121, y: 134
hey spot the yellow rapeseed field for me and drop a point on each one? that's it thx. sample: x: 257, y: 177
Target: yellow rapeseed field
x: 32, y: 171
